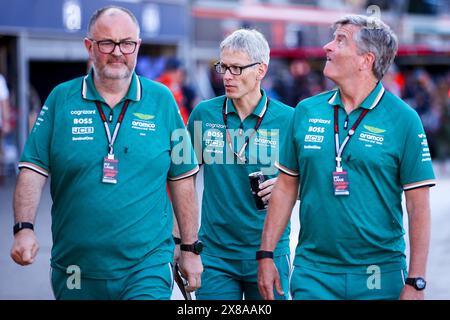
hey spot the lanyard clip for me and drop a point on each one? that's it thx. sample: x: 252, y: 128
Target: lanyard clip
x: 338, y: 164
x: 241, y: 154
x: 111, y: 151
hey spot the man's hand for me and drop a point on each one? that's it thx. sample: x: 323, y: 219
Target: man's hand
x: 25, y: 247
x: 410, y: 293
x: 266, y: 189
x: 267, y: 277
x: 191, y: 268
x: 26, y: 200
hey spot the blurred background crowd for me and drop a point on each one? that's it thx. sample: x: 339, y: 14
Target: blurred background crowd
x: 41, y: 46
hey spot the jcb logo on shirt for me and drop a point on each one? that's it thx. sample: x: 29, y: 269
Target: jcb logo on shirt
x: 313, y: 138
x: 82, y: 130
x: 82, y: 121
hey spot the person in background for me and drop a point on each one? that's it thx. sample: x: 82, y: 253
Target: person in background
x: 173, y: 78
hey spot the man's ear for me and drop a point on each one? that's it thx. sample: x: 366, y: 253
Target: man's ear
x: 87, y: 44
x: 369, y: 61
x: 262, y: 70
x: 139, y: 42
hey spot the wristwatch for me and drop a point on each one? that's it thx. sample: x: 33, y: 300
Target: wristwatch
x: 418, y: 283
x: 22, y: 225
x: 195, y: 247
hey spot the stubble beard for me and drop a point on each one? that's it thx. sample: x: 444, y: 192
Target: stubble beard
x: 106, y: 72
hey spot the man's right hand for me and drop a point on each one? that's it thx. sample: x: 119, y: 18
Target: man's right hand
x: 25, y: 247
x: 267, y: 277
x: 191, y: 268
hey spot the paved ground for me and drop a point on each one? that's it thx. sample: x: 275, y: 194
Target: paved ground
x: 32, y: 282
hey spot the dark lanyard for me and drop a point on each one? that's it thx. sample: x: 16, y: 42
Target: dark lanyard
x: 340, y: 148
x: 112, y: 139
x: 247, y: 139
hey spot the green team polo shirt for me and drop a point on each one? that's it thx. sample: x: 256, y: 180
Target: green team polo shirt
x: 107, y: 229
x: 231, y: 225
x: 387, y: 154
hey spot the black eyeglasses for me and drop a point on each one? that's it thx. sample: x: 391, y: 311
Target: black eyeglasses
x: 108, y: 46
x: 234, y: 70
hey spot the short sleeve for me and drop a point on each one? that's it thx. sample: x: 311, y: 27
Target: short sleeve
x: 36, y: 153
x: 416, y: 168
x: 288, y: 161
x: 183, y: 160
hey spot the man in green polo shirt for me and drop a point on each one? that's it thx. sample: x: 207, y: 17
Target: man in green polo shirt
x: 106, y: 139
x: 234, y: 136
x: 353, y: 151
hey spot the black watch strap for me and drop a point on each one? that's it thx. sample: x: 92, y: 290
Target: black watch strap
x: 177, y: 240
x: 262, y: 254
x: 22, y: 225
x: 187, y: 247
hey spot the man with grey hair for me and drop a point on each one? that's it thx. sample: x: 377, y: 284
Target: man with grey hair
x: 238, y: 135
x: 106, y: 140
x: 353, y: 151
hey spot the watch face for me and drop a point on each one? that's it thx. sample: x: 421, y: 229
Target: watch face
x: 420, y: 283
x: 198, y: 247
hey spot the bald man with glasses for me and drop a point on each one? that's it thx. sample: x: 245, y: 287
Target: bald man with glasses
x: 106, y: 140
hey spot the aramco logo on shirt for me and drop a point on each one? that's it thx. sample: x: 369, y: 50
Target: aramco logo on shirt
x: 372, y: 135
x: 143, y: 122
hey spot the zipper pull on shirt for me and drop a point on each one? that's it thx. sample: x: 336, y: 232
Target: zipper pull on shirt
x: 346, y: 123
x: 110, y: 118
x: 241, y: 129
